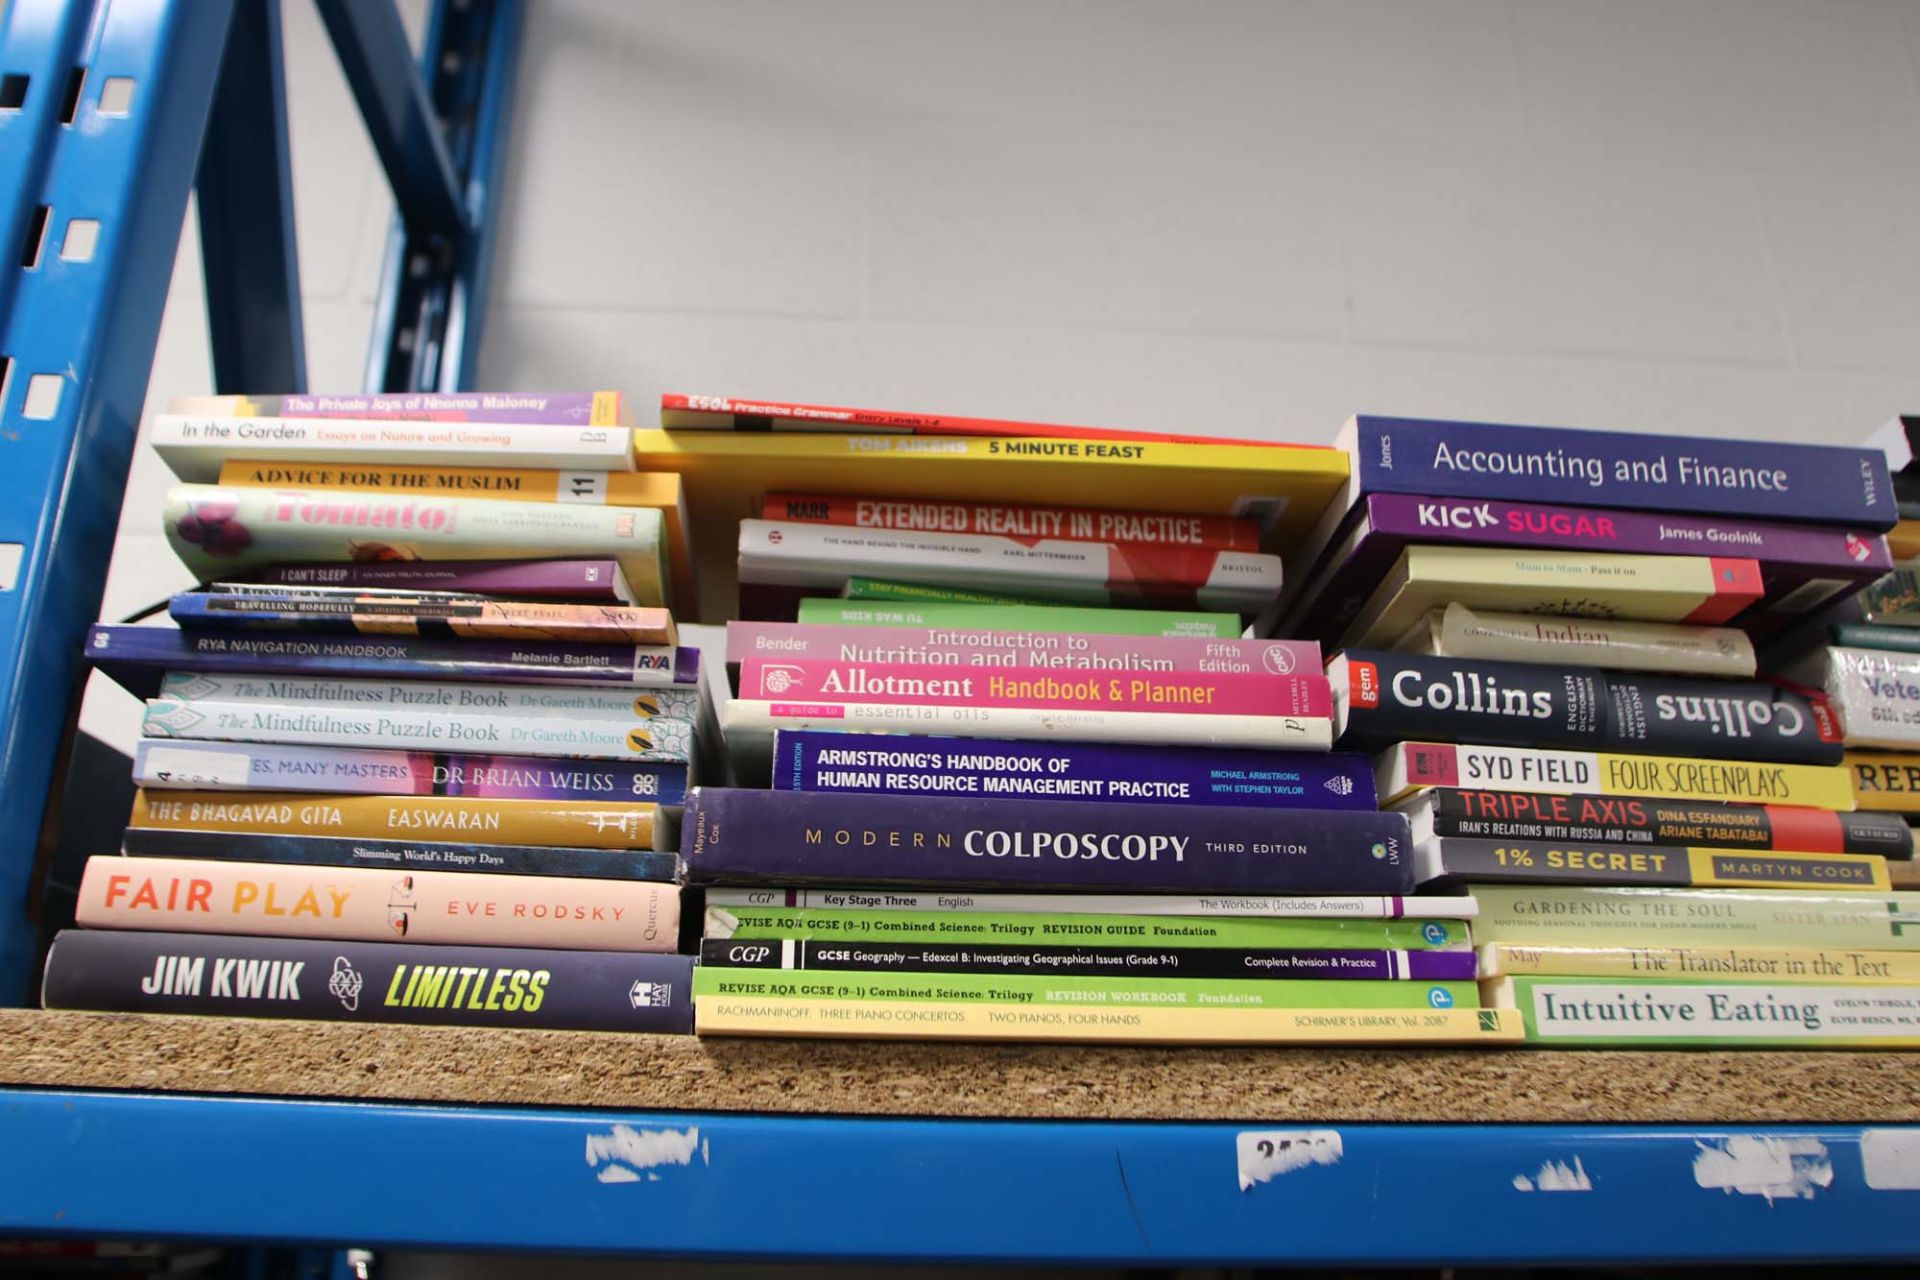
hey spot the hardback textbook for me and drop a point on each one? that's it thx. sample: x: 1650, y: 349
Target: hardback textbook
x: 218, y: 531
x: 659, y: 491
x: 1459, y: 632
x: 1078, y: 524
x: 196, y: 446
x: 1651, y: 588
x: 472, y: 908
x: 470, y: 819
x: 325, y: 609
x: 1803, y: 1014
x: 1380, y: 698
x: 1407, y: 767
x: 1447, y: 861
x: 722, y: 413
x: 1803, y: 567
x: 539, y: 408
x: 347, y: 981
x: 1048, y: 618
x: 728, y: 475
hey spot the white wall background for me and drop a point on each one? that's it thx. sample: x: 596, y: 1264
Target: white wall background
x: 1240, y: 218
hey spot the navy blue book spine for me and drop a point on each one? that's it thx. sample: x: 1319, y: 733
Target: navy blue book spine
x: 1821, y: 484
x: 401, y: 855
x: 820, y: 760
x: 799, y: 838
x: 137, y: 656
x: 123, y: 971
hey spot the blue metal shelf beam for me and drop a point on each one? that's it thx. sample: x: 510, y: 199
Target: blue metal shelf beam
x: 244, y: 199
x: 977, y: 1191
x: 78, y: 340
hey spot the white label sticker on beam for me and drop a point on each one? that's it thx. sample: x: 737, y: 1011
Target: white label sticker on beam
x: 1891, y: 1158
x: 1266, y: 1154
x: 11, y: 554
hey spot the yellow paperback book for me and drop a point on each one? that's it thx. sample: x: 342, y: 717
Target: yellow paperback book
x: 1884, y: 782
x: 728, y: 473
x: 658, y: 490
x: 1606, y: 585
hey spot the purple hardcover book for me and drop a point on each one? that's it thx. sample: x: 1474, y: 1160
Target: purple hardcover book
x: 586, y: 581
x: 796, y: 838
x: 1802, y: 567
x: 820, y: 760
x: 1038, y: 650
x: 138, y: 656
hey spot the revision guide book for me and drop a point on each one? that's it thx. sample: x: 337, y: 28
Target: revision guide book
x: 218, y: 531
x: 808, y: 760
x: 800, y: 838
x: 1381, y: 698
x: 195, y: 446
x: 1407, y: 767
x: 1444, y: 913
x: 349, y: 981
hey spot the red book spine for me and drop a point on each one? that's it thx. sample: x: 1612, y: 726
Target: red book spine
x: 1077, y: 524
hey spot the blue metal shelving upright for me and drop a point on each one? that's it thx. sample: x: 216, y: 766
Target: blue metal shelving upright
x: 110, y: 110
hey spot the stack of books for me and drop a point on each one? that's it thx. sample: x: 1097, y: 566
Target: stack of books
x: 1564, y: 704
x: 412, y: 750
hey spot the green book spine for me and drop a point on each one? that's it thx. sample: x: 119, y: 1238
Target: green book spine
x: 1035, y: 617
x: 1083, y: 930
x: 1030, y: 989
x: 881, y: 589
x: 1684, y: 1011
x: 1639, y: 917
x: 1864, y: 635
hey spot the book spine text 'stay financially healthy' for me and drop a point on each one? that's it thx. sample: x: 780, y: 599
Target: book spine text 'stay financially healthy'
x: 470, y: 907
x: 1385, y: 697
x: 805, y: 760
x: 989, y: 650
x: 1410, y: 766
x: 402, y: 855
x: 1823, y: 484
x: 366, y: 771
x: 799, y: 838
x: 350, y: 981
x: 948, y: 685
x: 1031, y: 522
x: 596, y: 825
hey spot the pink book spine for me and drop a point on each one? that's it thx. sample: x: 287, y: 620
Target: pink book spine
x: 951, y: 686
x: 1054, y: 651
x: 377, y: 905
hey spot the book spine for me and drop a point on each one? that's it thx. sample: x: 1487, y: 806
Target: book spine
x: 1442, y: 914
x: 1461, y: 632
x: 351, y: 981
x: 1407, y: 767
x: 1018, y: 649
x: 515, y: 484
x: 402, y: 855
x: 1050, y: 990
x: 618, y: 705
x: 1386, y: 697
x: 683, y: 413
x: 1092, y: 962
x: 429, y: 729
x: 836, y: 762
x: 195, y: 446
x: 861, y: 588
x: 137, y: 656
x: 176, y: 763
x: 604, y: 825
x: 903, y: 1020
x: 950, y: 685
x: 1444, y: 862
x: 1862, y: 635
x: 1088, y: 930
x: 798, y: 837
x: 1648, y: 1011
x: 595, y: 581
x: 1877, y: 693
x: 1820, y: 484
x: 455, y: 907
x: 1049, y: 618
x: 825, y: 556
x: 526, y: 408
x: 217, y: 531
x: 1592, y: 916
x: 1740, y: 964
x: 1884, y: 783
x: 424, y: 616
x: 1500, y: 815
x: 1007, y: 520
x: 759, y: 718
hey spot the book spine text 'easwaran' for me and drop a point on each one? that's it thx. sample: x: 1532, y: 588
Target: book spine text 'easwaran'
x: 605, y: 825
x: 466, y: 907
